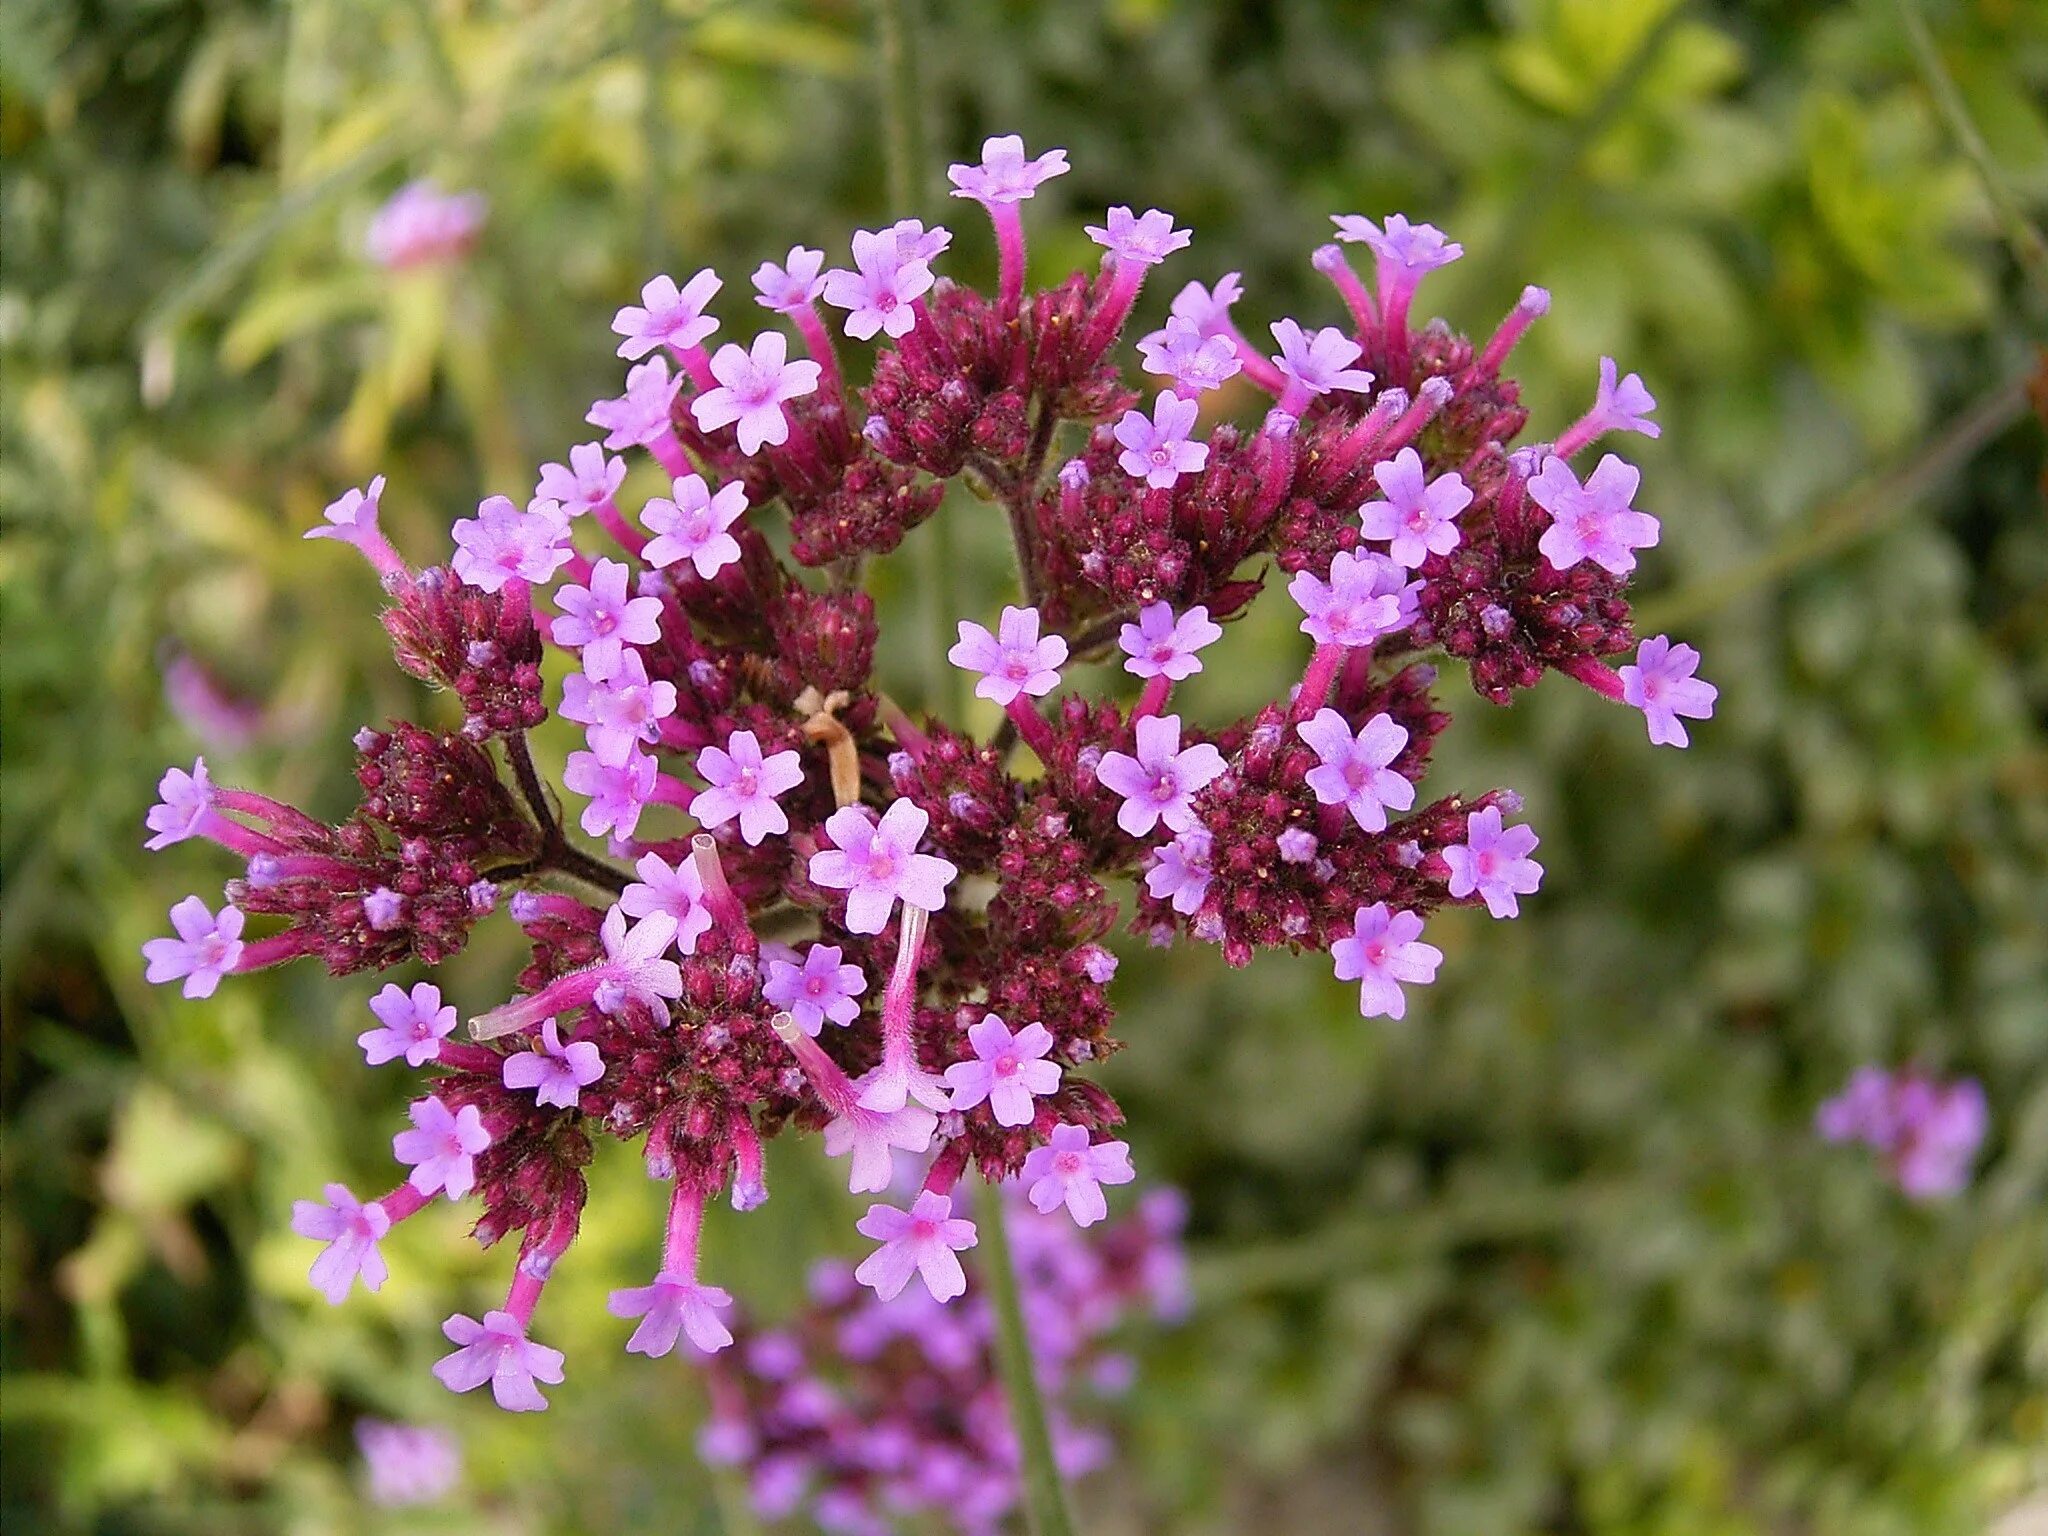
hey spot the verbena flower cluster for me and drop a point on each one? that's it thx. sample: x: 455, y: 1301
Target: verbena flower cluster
x: 1927, y: 1131
x: 821, y: 915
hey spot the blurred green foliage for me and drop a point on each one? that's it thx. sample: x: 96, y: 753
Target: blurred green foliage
x: 1556, y: 1253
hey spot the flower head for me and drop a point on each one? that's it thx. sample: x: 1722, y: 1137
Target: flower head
x: 351, y: 1229
x: 442, y: 1147
x: 420, y: 225
x: 1160, y: 783
x: 1355, y: 771
x: 410, y: 1024
x: 1007, y: 1070
x: 642, y: 414
x: 1157, y: 450
x: 1316, y: 364
x: 601, y: 620
x: 1416, y: 515
x: 1367, y: 596
x: 1407, y: 249
x: 1015, y: 660
x: 558, y: 1072
x: 1383, y: 950
x: 502, y: 543
x: 676, y: 891
x: 1005, y: 174
x: 882, y: 288
x: 1142, y: 240
x: 1070, y: 1170
x: 497, y: 1350
x: 588, y: 481
x: 1594, y: 521
x: 742, y: 785
x: 821, y: 988
x: 1160, y: 645
x: 1195, y: 362
x: 922, y: 1241
x: 1661, y: 683
x: 795, y: 285
x: 695, y: 526
x: 668, y: 316
x: 672, y: 1307
x: 206, y: 947
x: 183, y: 801
x: 877, y: 864
x: 752, y: 386
x: 1494, y: 862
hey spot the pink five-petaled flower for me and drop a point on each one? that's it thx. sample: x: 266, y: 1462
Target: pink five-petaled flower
x: 1142, y: 240
x: 821, y: 988
x: 410, y: 1025
x: 1005, y: 174
x: 184, y: 801
x: 502, y: 543
x: 1622, y: 405
x: 641, y: 415
x: 497, y: 1350
x: 206, y: 947
x: 351, y: 1229
x: 674, y: 890
x: 1383, y: 950
x: 442, y: 1147
x: 1594, y: 521
x: 622, y: 709
x: 1409, y: 249
x: 1070, y: 1171
x: 695, y: 526
x: 876, y: 864
x: 673, y: 1306
x: 1194, y: 361
x: 787, y: 289
x: 1013, y: 660
x: 1181, y: 872
x: 923, y: 1241
x: 752, y: 386
x: 601, y: 620
x: 1354, y: 772
x: 1417, y: 514
x: 874, y: 1137
x: 881, y: 291
x: 1161, y: 782
x: 1316, y: 364
x: 741, y: 783
x: 1008, y: 1070
x: 1208, y: 309
x: 618, y: 792
x: 1367, y: 596
x: 1494, y: 861
x: 560, y: 1072
x: 1660, y: 682
x: 635, y: 965
x: 591, y: 478
x: 1156, y: 449
x: 1160, y: 645
x: 667, y: 316
x: 352, y: 516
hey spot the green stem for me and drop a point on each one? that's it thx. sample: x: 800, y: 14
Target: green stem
x: 904, y: 150
x: 1045, y: 1495
x: 650, y: 31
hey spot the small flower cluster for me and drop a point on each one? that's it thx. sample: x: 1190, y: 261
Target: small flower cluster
x: 862, y: 1414
x: 1926, y: 1131
x: 822, y: 915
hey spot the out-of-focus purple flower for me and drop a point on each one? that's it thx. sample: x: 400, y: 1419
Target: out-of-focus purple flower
x: 1208, y: 309
x: 1928, y: 1132
x: 420, y: 225
x: 407, y: 1464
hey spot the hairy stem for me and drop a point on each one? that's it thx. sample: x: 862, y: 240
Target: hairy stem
x: 1045, y: 1495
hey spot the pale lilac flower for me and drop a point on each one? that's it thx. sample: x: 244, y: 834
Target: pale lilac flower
x: 673, y: 1306
x: 1494, y: 862
x: 1354, y: 772
x: 922, y: 1241
x: 407, y: 1464
x: 667, y: 316
x: 1594, y: 521
x: 184, y: 805
x: 1070, y: 1171
x: 1005, y: 175
x: 383, y: 909
x: 560, y: 1072
x: 351, y: 1229
x: 874, y: 1137
x: 1143, y: 240
x: 1366, y: 597
x: 352, y: 517
x: 635, y: 967
x: 1160, y: 645
x: 1928, y: 1131
x: 673, y: 890
x: 881, y: 291
x: 410, y: 1025
x: 1417, y: 514
x: 821, y: 988
x: 601, y: 620
x: 878, y: 864
x: 1014, y: 660
x: 1862, y: 1111
x: 752, y: 386
x: 1196, y: 363
x: 1008, y: 1070
x: 1620, y: 405
x: 1316, y: 364
x: 1660, y: 682
x: 1161, y: 782
x: 1156, y: 449
x: 588, y: 481
x: 1181, y: 872
x: 502, y: 543
x: 420, y: 225
x: 618, y: 792
x: 916, y: 243
x: 642, y: 414
x: 794, y: 286
x: 206, y: 947
x: 1208, y: 309
x: 497, y: 1350
x: 741, y: 784
x: 442, y: 1147
x: 1407, y: 249
x: 1383, y: 950
x: 622, y: 710
x: 696, y: 526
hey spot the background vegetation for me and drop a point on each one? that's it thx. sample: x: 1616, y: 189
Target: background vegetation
x: 1558, y: 1252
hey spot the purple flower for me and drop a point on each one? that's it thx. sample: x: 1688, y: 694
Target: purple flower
x: 923, y: 1241
x: 560, y: 1072
x: 1315, y: 365
x: 1929, y: 1132
x: 407, y: 1463
x: 1417, y: 514
x: 787, y: 289
x: 442, y: 1147
x: 184, y: 802
x: 420, y: 225
x: 741, y: 783
x: 1157, y: 450
x: 1181, y: 872
x: 1014, y: 660
x: 206, y: 947
x: 412, y: 1026
x: 497, y: 1350
x: 821, y: 988
x: 752, y: 386
x: 1071, y: 1171
x: 600, y: 619
x: 1862, y: 1111
x: 1208, y: 309
x: 351, y: 1229
x: 383, y: 909
x: 1367, y: 596
x: 1005, y: 175
x: 673, y: 890
x: 1621, y: 406
x: 667, y: 316
x: 1660, y: 682
x: 1008, y: 1070
x: 635, y: 965
x: 1591, y: 522
x: 642, y: 414
x: 1407, y: 249
x: 352, y: 516
x: 696, y: 525
x: 673, y: 1306
x: 916, y: 243
x: 1494, y: 862
x: 882, y: 289
x: 1160, y: 645
x: 878, y: 864
x: 588, y: 481
x: 874, y: 1137
x: 502, y: 543
x: 1161, y: 782
x: 1355, y: 772
x: 1384, y: 949
x: 618, y: 792
x: 1194, y: 361
x: 622, y: 710
x: 1141, y: 241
